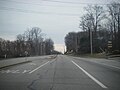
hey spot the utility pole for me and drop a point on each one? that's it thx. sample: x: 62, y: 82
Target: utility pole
x: 76, y: 43
x: 91, y: 39
x: 41, y: 48
x: 119, y: 29
x: 64, y: 50
x: 91, y: 46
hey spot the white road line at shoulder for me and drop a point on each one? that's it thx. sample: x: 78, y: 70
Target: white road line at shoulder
x: 110, y: 66
x: 94, y: 79
x: 106, y: 65
x: 103, y: 64
x: 38, y: 67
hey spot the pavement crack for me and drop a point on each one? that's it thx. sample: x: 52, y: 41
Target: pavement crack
x: 53, y: 82
x: 31, y: 85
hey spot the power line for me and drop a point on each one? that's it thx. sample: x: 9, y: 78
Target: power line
x: 39, y: 4
x: 36, y: 12
x: 18, y: 2
x: 54, y: 1
x: 75, y: 2
x: 36, y: 4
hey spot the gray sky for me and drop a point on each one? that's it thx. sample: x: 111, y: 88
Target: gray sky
x: 55, y: 19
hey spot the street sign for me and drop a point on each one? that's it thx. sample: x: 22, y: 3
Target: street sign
x: 109, y: 44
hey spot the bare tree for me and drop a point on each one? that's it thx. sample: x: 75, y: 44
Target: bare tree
x: 114, y: 12
x: 30, y: 41
x: 92, y: 20
x: 49, y: 46
x: 34, y: 38
x: 71, y: 42
x: 20, y: 44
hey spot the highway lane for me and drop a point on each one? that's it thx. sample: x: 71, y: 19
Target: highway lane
x: 60, y: 73
x: 107, y: 74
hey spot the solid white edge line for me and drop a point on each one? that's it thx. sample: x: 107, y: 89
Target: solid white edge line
x: 38, y: 67
x: 109, y: 66
x: 103, y: 64
x: 94, y: 79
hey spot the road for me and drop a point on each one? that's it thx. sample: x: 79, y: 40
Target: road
x: 61, y: 73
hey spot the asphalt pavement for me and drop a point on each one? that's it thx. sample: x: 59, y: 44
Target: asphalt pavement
x: 62, y: 73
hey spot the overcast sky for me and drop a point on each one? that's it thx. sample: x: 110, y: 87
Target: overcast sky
x: 55, y: 17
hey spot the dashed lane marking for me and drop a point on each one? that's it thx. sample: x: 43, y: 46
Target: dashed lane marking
x: 38, y: 67
x: 10, y: 71
x: 24, y: 71
x: 14, y: 71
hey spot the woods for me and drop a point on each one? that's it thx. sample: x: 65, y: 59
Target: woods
x: 100, y: 31
x: 30, y: 43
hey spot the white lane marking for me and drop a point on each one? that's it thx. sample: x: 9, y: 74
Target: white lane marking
x: 105, y: 64
x: 5, y: 71
x: 16, y: 71
x: 94, y: 79
x: 102, y: 64
x: 10, y: 71
x: 109, y: 65
x: 38, y: 67
x: 26, y: 71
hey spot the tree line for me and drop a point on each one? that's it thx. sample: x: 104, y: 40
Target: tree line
x: 30, y: 43
x: 100, y: 30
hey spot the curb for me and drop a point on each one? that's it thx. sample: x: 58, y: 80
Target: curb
x: 15, y: 64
